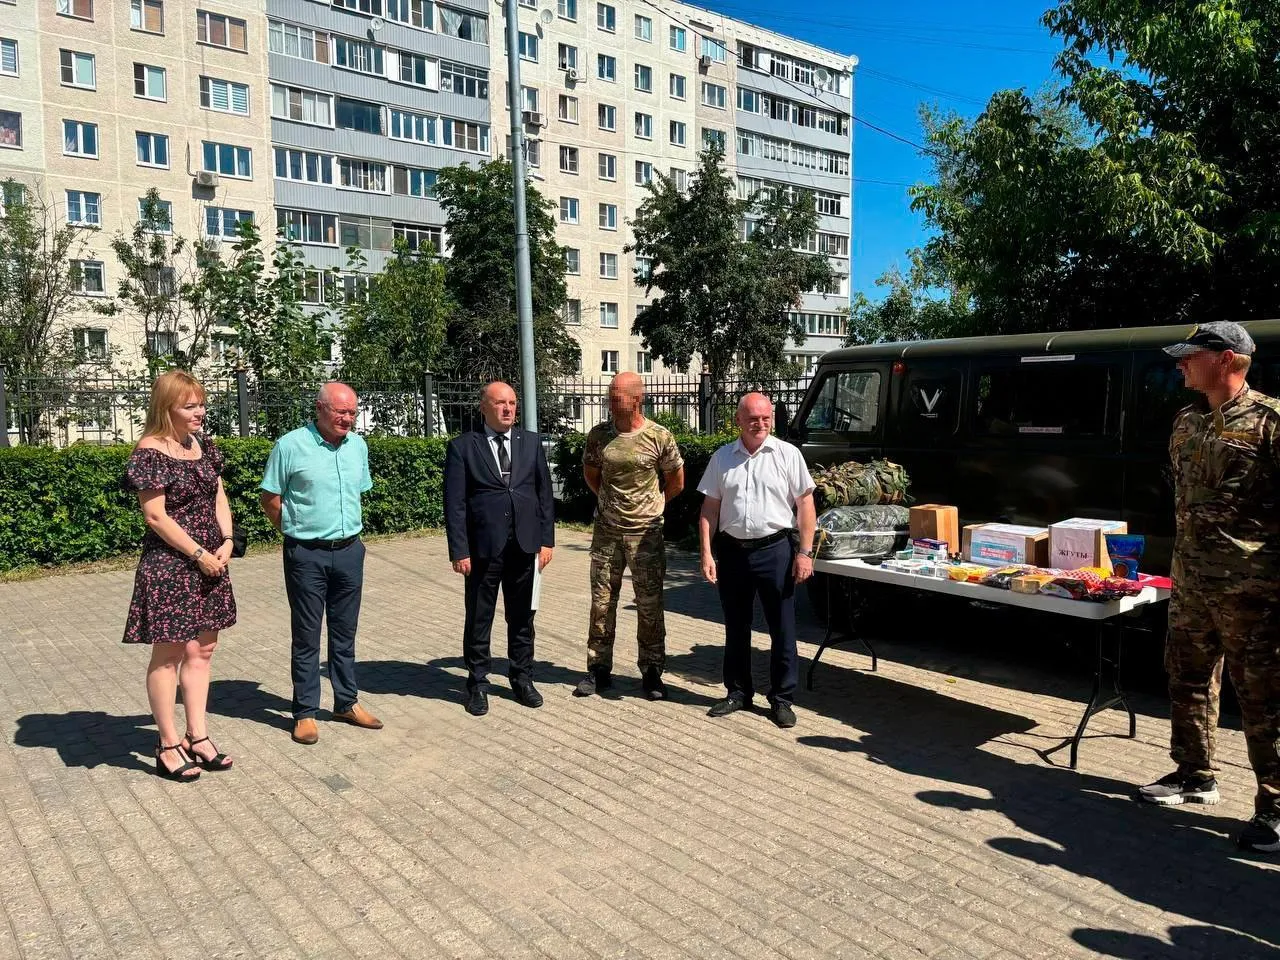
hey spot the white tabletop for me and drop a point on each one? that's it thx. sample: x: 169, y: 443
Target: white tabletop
x: 1082, y: 609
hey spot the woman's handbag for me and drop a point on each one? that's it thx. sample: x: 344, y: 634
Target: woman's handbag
x: 239, y: 540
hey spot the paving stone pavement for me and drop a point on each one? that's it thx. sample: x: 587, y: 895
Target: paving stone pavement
x: 914, y: 812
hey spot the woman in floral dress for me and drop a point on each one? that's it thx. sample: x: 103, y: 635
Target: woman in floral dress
x: 181, y: 593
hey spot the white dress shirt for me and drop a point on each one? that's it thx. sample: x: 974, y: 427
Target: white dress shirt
x: 490, y: 435
x: 757, y: 492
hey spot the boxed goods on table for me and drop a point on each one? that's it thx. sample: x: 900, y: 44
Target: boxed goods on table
x: 861, y: 531
x: 997, y: 544
x: 968, y: 572
x: 934, y: 521
x: 1081, y: 542
x: 1126, y: 552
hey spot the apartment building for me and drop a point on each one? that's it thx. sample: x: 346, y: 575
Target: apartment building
x: 615, y: 91
x: 102, y: 100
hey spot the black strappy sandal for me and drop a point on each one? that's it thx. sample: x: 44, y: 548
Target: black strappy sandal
x: 214, y: 764
x: 179, y: 775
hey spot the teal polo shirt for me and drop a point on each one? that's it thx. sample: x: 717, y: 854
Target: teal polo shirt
x: 319, y: 484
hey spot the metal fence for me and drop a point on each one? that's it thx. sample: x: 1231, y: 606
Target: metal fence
x: 108, y: 408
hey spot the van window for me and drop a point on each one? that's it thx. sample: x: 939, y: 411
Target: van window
x: 930, y: 403
x: 1060, y: 399
x: 1161, y: 394
x: 848, y: 402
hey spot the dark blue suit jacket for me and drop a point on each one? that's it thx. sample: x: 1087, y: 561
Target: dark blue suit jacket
x: 480, y: 511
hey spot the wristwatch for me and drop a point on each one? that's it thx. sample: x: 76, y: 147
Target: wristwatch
x: 806, y: 553
x: 198, y: 554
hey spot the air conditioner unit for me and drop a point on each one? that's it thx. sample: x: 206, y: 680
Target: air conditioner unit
x: 206, y: 178
x: 704, y: 62
x: 573, y: 75
x: 531, y: 118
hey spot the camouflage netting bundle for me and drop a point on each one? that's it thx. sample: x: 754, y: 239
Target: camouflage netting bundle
x: 854, y: 484
x: 862, y: 531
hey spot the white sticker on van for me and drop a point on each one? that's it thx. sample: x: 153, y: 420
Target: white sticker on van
x: 930, y: 401
x: 1040, y: 430
x: 1040, y: 358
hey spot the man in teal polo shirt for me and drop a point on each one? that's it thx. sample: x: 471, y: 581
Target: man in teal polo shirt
x: 311, y: 493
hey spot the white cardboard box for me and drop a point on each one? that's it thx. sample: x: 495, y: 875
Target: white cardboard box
x: 1002, y: 544
x: 1081, y: 542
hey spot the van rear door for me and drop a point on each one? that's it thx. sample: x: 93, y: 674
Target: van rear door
x: 922, y: 433
x: 844, y: 419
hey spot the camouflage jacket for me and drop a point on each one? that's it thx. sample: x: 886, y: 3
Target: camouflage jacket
x: 1226, y: 470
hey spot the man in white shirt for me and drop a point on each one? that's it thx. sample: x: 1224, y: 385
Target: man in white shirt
x: 757, y: 491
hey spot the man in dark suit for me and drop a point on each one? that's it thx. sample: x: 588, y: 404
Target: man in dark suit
x: 500, y: 518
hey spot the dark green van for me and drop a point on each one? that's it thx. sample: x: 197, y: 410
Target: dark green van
x: 1030, y: 429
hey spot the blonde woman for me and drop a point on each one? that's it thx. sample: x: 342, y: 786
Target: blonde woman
x: 181, y: 593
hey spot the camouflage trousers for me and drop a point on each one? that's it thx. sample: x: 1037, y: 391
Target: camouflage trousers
x: 611, y: 552
x: 1206, y: 625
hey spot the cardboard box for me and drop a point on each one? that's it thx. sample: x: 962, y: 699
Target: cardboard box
x: 1002, y: 544
x: 1082, y: 542
x: 933, y: 521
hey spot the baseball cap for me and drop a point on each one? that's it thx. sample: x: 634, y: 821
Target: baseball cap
x: 1217, y: 336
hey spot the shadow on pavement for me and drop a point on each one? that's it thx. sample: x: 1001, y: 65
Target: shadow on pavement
x: 246, y: 700
x: 1203, y: 943
x: 90, y: 738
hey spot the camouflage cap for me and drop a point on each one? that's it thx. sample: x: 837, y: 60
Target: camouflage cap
x: 1217, y: 336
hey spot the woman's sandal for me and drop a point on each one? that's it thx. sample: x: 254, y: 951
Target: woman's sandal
x: 215, y: 763
x: 180, y: 774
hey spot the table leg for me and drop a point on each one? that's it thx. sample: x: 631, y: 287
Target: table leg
x: 1106, y: 672
x: 832, y: 639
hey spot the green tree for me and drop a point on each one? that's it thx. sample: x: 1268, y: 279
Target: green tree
x: 719, y: 298
x: 483, y: 333
x: 908, y: 311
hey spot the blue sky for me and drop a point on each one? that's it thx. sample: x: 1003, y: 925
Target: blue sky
x: 953, y: 53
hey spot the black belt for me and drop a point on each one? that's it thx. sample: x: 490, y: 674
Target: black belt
x: 322, y: 544
x: 756, y: 543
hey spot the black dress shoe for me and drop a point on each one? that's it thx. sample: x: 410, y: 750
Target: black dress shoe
x: 527, y: 694
x: 722, y: 708
x: 478, y: 703
x: 783, y: 715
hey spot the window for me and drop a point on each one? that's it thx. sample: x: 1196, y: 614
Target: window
x: 358, y: 115
x: 78, y: 69
x: 362, y: 175
x: 572, y: 258
x: 833, y: 245
x: 607, y: 116
x: 90, y: 342
x: 1039, y: 399
x: 608, y: 266
x: 606, y: 17
x: 418, y: 127
x: 314, y: 283
x: 10, y: 130
x: 157, y: 217
x: 146, y: 16
x: 569, y: 160
x: 8, y: 57
x: 307, y: 227
x: 567, y: 9
x: 677, y: 39
x: 149, y: 82
x: 711, y: 136
x: 644, y: 78
x: 713, y: 49
x: 568, y: 109
x: 676, y: 86
x: 644, y: 173
x: 216, y: 30
x: 466, y: 81
x: 606, y: 67
x: 644, y: 126
x: 227, y: 159
x: 829, y: 204
x: 571, y: 313
x: 847, y: 402
x: 222, y: 347
x: 84, y: 209
x: 153, y: 149
x: 300, y: 42
x: 79, y: 139
x: 750, y: 101
x: 608, y: 166
x: 358, y: 55
x: 568, y: 209
x: 464, y: 26
x: 680, y: 179
x: 371, y: 7
x: 608, y: 216
x: 644, y: 29
x: 609, y: 321
x: 644, y: 361
x: 223, y: 222
x: 533, y: 152
x: 677, y: 133
x: 413, y: 182
x: 465, y: 136
x: 417, y: 70
x: 644, y: 271
x: 609, y: 358
x: 567, y: 57
x: 161, y: 343
x: 528, y: 47
x: 303, y: 166
x: 424, y: 238
x: 416, y: 13
x: 88, y: 276
x: 713, y: 95
x: 76, y: 8
x: 753, y: 57
x: 227, y: 97
x: 290, y: 103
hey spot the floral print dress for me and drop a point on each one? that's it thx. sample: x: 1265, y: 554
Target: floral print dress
x: 173, y: 602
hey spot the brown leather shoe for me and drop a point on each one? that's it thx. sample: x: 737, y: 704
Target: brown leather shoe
x: 306, y: 731
x: 359, y: 716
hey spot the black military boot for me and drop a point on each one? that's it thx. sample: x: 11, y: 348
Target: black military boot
x: 652, y: 684
x: 594, y: 682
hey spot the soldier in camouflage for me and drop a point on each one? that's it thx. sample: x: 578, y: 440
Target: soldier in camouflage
x: 622, y: 463
x: 1226, y: 464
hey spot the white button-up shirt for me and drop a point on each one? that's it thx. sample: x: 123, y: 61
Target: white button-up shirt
x: 757, y: 491
x: 491, y: 435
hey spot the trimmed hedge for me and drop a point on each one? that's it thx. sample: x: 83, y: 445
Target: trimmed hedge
x: 578, y: 503
x: 67, y: 506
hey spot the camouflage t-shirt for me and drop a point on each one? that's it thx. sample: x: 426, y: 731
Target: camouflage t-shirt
x: 630, y: 463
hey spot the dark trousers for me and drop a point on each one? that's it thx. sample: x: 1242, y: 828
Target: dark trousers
x: 743, y: 575
x: 323, y: 583
x: 513, y: 571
